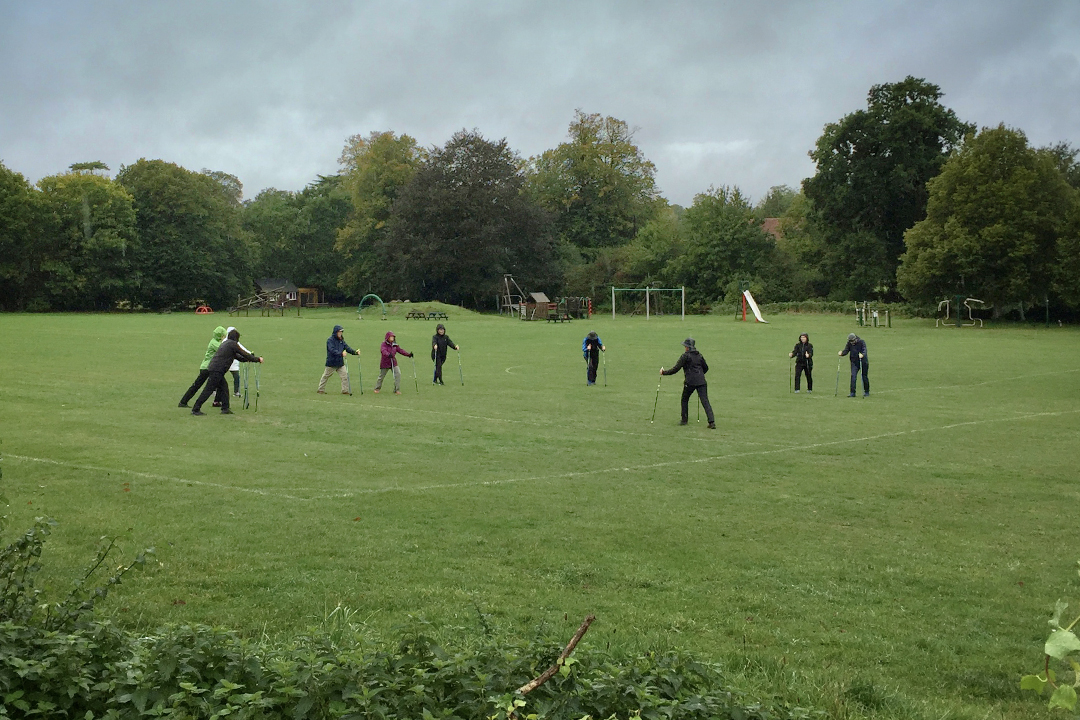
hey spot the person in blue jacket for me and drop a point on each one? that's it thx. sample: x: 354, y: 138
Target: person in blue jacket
x: 856, y: 351
x: 591, y: 348
x: 336, y: 349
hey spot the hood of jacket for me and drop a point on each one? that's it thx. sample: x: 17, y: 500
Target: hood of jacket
x: 806, y: 335
x: 336, y: 328
x: 439, y: 327
x: 219, y: 333
x: 234, y: 334
x: 388, y: 336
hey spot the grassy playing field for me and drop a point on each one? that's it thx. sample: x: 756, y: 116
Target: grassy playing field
x: 889, y: 557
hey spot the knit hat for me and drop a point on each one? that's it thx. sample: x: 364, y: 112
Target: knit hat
x: 689, y: 344
x: 852, y: 337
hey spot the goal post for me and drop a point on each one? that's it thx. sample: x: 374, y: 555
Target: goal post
x: 653, y: 299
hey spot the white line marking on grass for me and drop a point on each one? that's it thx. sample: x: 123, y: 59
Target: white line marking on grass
x: 152, y: 476
x: 672, y: 463
x: 985, y: 382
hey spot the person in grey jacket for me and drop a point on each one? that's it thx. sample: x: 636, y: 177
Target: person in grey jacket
x: 856, y: 350
x: 229, y: 350
x: 694, y: 368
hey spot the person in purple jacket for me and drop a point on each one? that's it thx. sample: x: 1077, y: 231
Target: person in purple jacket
x: 388, y: 350
x: 856, y: 350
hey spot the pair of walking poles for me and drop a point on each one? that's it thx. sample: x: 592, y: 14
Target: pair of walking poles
x: 653, y: 419
x: 247, y: 403
x: 461, y: 376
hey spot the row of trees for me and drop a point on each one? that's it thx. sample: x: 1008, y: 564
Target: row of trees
x: 907, y: 201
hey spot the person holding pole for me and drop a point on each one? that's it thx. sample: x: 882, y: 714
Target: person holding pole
x: 694, y: 368
x: 388, y: 350
x: 440, y: 342
x: 591, y: 347
x: 215, y: 342
x: 804, y: 362
x: 336, y: 350
x: 229, y: 351
x: 856, y: 350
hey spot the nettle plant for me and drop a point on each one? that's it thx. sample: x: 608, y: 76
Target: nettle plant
x: 1062, y: 653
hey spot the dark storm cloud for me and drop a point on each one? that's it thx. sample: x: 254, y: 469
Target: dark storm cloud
x: 721, y: 92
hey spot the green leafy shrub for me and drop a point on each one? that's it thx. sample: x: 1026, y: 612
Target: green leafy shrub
x: 57, y: 660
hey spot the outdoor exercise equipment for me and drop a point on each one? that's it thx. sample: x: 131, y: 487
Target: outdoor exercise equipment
x: 958, y: 301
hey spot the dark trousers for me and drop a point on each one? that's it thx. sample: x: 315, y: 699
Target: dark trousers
x: 590, y: 370
x: 215, y: 382
x: 203, y: 375
x: 865, y: 365
x: 437, y: 377
x: 703, y: 396
x: 235, y: 382
x: 799, y: 369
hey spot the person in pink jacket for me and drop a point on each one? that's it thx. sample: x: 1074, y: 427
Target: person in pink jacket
x: 389, y: 349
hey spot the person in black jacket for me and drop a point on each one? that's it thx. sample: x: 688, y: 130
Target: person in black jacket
x: 856, y: 349
x: 229, y: 350
x: 694, y: 368
x: 336, y: 348
x: 591, y: 347
x: 804, y: 362
x: 440, y: 341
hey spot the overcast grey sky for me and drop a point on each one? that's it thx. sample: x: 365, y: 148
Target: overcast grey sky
x: 729, y: 93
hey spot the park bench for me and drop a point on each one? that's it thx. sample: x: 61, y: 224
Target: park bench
x: 416, y: 315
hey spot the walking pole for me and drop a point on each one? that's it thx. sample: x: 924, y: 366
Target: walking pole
x: 790, y: 364
x: 604, y: 353
x: 460, y: 375
x: 699, y: 408
x: 257, y: 369
x: 414, y: 381
x: 348, y: 380
x: 837, y: 388
x: 246, y: 404
x: 657, y: 395
x: 360, y: 374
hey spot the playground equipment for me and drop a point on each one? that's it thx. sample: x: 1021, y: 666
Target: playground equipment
x: 373, y: 297
x: 958, y: 301
x: 868, y: 316
x: 266, y: 303
x: 654, y: 300
x: 204, y: 310
x: 512, y: 301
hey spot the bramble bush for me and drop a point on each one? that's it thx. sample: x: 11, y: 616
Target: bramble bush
x: 59, y: 660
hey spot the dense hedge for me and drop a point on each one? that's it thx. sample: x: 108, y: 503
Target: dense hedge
x: 58, y: 660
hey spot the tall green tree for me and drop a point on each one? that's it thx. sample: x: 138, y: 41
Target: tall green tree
x: 598, y: 184
x: 464, y: 220
x: 724, y: 244
x: 20, y: 256
x: 192, y: 243
x: 374, y: 170
x: 997, y: 220
x: 296, y: 233
x: 870, y: 183
x: 776, y: 202
x: 88, y: 237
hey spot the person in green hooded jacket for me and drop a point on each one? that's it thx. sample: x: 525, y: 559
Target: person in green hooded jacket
x: 215, y: 342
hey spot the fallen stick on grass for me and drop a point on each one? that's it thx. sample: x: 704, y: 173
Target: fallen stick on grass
x: 550, y: 672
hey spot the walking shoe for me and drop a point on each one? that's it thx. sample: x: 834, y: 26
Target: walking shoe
x: 197, y: 412
x: 216, y: 404
x: 683, y: 422
x: 183, y: 404
x: 590, y: 383
x: 397, y: 392
x: 376, y: 391
x: 712, y: 426
x: 808, y: 392
x: 866, y: 394
x: 227, y: 411
x: 796, y: 392
x: 321, y: 392
x: 236, y: 394
x: 441, y: 382
x: 851, y: 395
